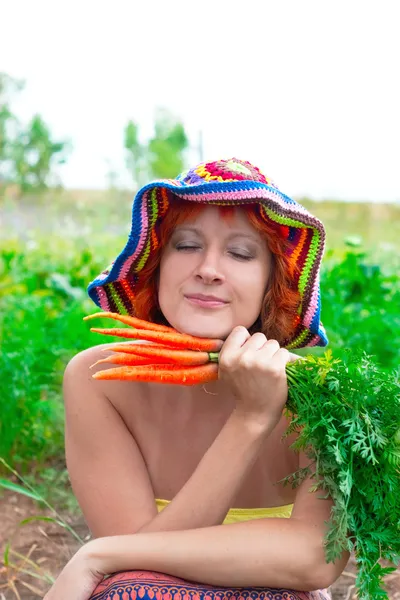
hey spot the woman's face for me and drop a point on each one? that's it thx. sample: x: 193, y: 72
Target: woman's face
x: 213, y: 274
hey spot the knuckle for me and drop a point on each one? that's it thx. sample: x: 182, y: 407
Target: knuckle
x: 259, y: 334
x: 275, y: 371
x: 227, y: 362
x: 247, y: 361
x: 239, y: 329
x: 273, y: 343
x: 275, y: 375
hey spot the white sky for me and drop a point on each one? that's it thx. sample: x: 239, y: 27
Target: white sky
x: 307, y: 90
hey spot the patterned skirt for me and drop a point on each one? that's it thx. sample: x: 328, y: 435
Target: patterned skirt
x: 150, y: 585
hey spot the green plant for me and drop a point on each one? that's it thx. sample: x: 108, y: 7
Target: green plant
x: 34, y: 154
x: 347, y: 414
x: 360, y: 301
x: 28, y: 154
x: 160, y: 157
x: 17, y: 566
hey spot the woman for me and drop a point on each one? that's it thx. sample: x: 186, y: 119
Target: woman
x: 180, y: 485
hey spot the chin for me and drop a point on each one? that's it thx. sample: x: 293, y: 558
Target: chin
x: 206, y: 328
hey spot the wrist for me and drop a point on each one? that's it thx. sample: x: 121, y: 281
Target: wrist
x: 96, y: 555
x: 257, y: 425
x: 112, y: 553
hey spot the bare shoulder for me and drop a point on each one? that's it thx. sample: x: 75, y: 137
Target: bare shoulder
x: 80, y: 369
x: 95, y: 353
x: 85, y: 358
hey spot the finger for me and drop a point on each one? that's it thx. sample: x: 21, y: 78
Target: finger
x: 270, y: 348
x: 233, y: 343
x: 282, y: 358
x: 255, y: 342
x: 294, y: 357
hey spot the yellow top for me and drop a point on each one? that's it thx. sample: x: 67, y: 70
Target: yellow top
x: 235, y: 515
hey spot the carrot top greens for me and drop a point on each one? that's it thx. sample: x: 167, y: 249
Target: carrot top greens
x: 347, y: 415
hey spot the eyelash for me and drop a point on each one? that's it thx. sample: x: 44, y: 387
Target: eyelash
x: 234, y: 254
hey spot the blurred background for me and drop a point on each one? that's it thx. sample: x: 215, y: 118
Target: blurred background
x: 96, y: 99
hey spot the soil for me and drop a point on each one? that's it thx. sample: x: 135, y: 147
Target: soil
x: 49, y: 547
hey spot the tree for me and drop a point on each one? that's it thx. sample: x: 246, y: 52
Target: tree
x: 163, y: 155
x: 136, y: 155
x: 8, y: 122
x: 167, y: 146
x: 34, y: 154
x: 28, y: 154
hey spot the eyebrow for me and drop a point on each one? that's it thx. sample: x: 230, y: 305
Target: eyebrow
x: 235, y: 233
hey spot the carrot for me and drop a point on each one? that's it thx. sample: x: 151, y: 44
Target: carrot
x: 131, y: 347
x: 167, y: 355
x: 172, y: 374
x: 132, y: 321
x: 126, y: 359
x: 179, y: 340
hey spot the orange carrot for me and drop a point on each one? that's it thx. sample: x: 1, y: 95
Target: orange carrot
x: 179, y: 340
x: 172, y: 374
x: 131, y: 347
x: 168, y: 355
x: 132, y: 321
x: 127, y: 359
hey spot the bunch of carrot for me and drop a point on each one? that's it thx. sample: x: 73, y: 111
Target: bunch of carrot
x: 172, y: 357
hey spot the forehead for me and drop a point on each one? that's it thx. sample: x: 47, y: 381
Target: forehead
x: 226, y: 219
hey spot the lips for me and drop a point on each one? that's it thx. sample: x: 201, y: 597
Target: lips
x: 205, y: 298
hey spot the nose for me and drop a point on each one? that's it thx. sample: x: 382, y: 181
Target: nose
x: 208, y: 270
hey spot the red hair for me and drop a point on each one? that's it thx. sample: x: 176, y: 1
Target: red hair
x: 278, y: 317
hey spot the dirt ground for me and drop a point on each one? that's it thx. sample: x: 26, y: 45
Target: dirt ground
x: 47, y: 547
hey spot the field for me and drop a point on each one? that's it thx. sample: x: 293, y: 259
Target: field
x: 50, y: 249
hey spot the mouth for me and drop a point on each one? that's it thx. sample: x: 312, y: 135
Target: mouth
x: 206, y: 301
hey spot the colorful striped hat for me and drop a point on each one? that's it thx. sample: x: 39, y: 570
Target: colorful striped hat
x: 234, y: 182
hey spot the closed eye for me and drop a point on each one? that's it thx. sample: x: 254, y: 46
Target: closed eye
x: 233, y: 253
x: 186, y: 247
x: 240, y: 256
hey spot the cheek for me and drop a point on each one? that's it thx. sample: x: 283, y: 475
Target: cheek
x: 253, y: 282
x: 171, y: 272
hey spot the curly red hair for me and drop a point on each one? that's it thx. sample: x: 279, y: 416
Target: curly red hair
x: 279, y: 312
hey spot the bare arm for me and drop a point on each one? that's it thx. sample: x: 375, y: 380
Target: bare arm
x: 266, y: 552
x: 106, y: 468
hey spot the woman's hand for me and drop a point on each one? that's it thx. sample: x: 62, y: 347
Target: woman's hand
x: 254, y: 369
x: 78, y: 579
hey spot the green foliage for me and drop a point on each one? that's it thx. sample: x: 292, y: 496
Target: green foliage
x: 163, y: 155
x: 347, y: 414
x: 53, y: 483
x: 167, y: 146
x: 34, y: 492
x: 360, y: 305
x: 42, y: 304
x: 31, y: 426
x: 34, y: 155
x: 28, y: 154
x: 8, y: 88
x: 135, y: 153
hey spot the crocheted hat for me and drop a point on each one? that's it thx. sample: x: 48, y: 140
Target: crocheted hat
x: 234, y: 182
